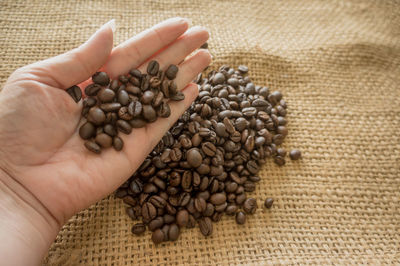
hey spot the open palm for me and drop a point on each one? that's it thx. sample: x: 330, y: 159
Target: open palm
x: 42, y: 156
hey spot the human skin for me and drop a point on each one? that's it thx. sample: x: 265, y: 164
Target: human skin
x: 46, y: 173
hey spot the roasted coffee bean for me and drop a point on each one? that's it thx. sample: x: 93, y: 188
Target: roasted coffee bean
x: 205, y: 225
x: 101, y: 78
x: 149, y: 113
x: 240, y: 198
x: 250, y: 205
x: 96, y: 116
x: 164, y: 110
x: 268, y: 203
x: 147, y: 97
x: 106, y: 95
x: 135, y: 108
x: 279, y: 160
x: 110, y: 107
x: 209, y: 149
x: 281, y: 152
x: 135, y: 72
x: 158, y: 99
x: 75, y: 93
x: 87, y: 130
x: 92, y: 146
x: 295, y: 154
x: 231, y: 209
x: 182, y: 218
x: 173, y: 232
x: 123, y: 97
x: 218, y: 78
x: 218, y: 198
x: 131, y: 213
x: 157, y: 236
x: 194, y: 157
x: 153, y: 67
x: 149, y: 212
x: 253, y: 167
x: 110, y: 130
x: 92, y: 89
x: 200, y: 204
x: 118, y: 143
x: 243, y: 69
x: 138, y: 228
x: 124, y: 114
x: 124, y: 126
x: 104, y: 140
x: 137, y: 123
x: 204, y: 46
x: 178, y: 96
x: 171, y: 72
x: 156, y: 223
x: 240, y: 217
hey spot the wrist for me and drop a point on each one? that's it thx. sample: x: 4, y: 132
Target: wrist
x: 27, y: 232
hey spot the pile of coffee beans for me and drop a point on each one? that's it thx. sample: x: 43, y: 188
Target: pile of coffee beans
x: 207, y: 162
x: 131, y: 101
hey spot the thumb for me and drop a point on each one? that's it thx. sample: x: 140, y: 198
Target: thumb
x: 79, y: 64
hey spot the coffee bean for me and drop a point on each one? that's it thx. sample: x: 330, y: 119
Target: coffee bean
x: 158, y: 99
x: 149, y: 113
x: 218, y: 198
x: 243, y: 69
x: 279, y: 160
x: 149, y: 212
x: 135, y: 108
x: 171, y: 72
x: 147, y: 97
x: 124, y: 126
x: 92, y: 146
x: 106, y: 95
x: 173, y: 232
x: 75, y: 93
x: 268, y: 203
x: 87, y: 130
x: 137, y: 123
x: 205, y: 225
x: 252, y: 166
x: 101, y: 78
x: 118, y: 144
x: 123, y: 97
x: 194, y: 157
x: 200, y: 204
x: 209, y: 149
x: 250, y: 205
x: 204, y: 46
x: 124, y: 114
x: 164, y: 110
x: 110, y: 107
x: 182, y: 218
x: 218, y: 78
x: 156, y: 223
x: 240, y: 217
x: 92, y: 89
x: 295, y: 154
x: 104, y: 140
x: 157, y: 236
x: 153, y: 67
x: 178, y: 96
x: 110, y: 130
x: 231, y: 209
x: 96, y: 116
x: 138, y: 228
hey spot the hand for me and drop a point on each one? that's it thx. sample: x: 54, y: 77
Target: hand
x: 46, y: 173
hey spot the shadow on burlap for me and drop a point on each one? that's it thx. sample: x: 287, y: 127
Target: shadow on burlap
x: 338, y: 65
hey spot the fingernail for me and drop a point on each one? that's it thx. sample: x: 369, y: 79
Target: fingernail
x: 110, y: 24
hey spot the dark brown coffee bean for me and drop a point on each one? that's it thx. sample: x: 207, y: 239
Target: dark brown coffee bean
x: 131, y: 213
x: 157, y: 236
x: 231, y: 209
x: 96, y: 116
x: 282, y: 130
x: 75, y: 93
x: 164, y: 110
x: 240, y: 217
x: 149, y: 212
x: 124, y: 126
x: 205, y: 225
x: 135, y: 72
x: 135, y: 108
x: 268, y: 203
x: 92, y: 89
x: 169, y: 218
x: 218, y: 198
x: 138, y: 228
x: 200, y: 204
x: 243, y: 69
x: 249, y: 144
x: 295, y: 154
x: 124, y: 114
x: 149, y: 113
x: 175, y: 154
x: 182, y: 218
x: 150, y: 188
x: 279, y: 160
x: 158, y: 99
x: 153, y: 67
x: 101, y: 78
x: 87, y: 130
x: 123, y: 97
x: 281, y: 152
x: 110, y: 107
x: 194, y: 157
x: 219, y: 78
x: 173, y: 232
x: 156, y: 223
x: 186, y: 180
x: 104, y: 140
x: 147, y: 97
x: 92, y: 146
x: 250, y: 205
x: 106, y: 95
x: 171, y: 72
x: 178, y: 96
x: 209, y: 149
x: 118, y: 144
x: 240, y: 198
x: 137, y: 123
x: 253, y: 167
x: 110, y: 130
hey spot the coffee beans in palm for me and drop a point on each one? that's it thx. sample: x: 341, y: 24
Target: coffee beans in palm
x: 209, y: 160
x: 131, y: 101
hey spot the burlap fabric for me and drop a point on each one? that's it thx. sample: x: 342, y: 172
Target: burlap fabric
x: 338, y: 65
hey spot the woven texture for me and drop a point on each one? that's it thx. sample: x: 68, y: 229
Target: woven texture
x: 338, y: 65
